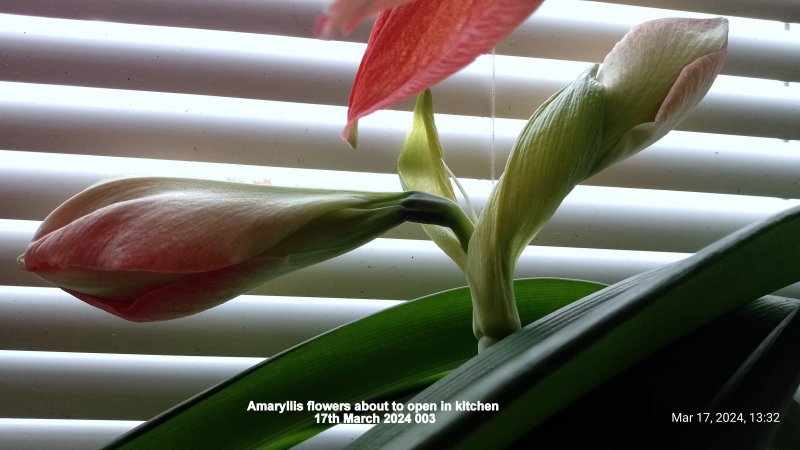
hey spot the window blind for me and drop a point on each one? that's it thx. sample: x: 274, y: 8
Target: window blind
x: 242, y: 91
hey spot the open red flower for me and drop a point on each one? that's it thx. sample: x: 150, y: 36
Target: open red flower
x: 418, y: 44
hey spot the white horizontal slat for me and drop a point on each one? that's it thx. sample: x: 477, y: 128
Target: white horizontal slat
x: 14, y: 237
x: 187, y: 127
x: 105, y: 386
x: 681, y: 161
x: 582, y: 30
x: 267, y: 67
x: 782, y: 10
x: 47, y: 319
x: 591, y: 216
x: 711, y: 163
x: 60, y: 434
x: 288, y: 17
x: 321, y: 72
x: 152, y: 125
x: 282, y: 136
x: 586, y: 31
x: 87, y: 53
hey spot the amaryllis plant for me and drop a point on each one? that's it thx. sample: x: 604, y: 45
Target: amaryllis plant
x: 550, y: 349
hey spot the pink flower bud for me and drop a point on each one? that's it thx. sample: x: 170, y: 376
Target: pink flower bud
x: 159, y: 248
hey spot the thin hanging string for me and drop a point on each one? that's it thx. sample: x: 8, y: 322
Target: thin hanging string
x: 493, y: 106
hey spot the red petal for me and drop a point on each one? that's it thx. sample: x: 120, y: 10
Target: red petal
x: 416, y: 45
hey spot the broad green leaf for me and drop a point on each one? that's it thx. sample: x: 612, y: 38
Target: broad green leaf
x: 421, y: 168
x: 552, y: 362
x: 386, y: 355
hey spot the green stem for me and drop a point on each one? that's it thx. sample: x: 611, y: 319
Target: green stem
x: 490, y: 279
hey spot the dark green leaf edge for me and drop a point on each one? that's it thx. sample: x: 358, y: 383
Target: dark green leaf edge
x: 550, y: 363
x: 388, y: 354
x: 764, y: 384
x: 636, y: 409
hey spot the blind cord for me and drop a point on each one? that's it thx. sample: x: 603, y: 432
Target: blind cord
x: 493, y: 112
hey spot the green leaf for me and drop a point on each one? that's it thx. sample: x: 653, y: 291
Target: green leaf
x: 386, y: 355
x: 552, y: 362
x: 421, y: 168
